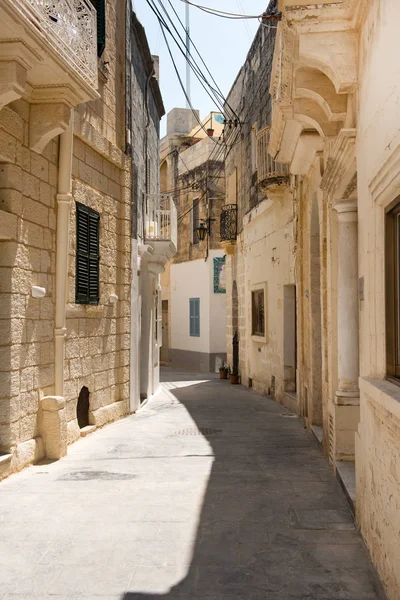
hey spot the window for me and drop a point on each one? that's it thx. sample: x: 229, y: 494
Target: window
x: 258, y: 313
x: 194, y: 305
x: 392, y: 260
x: 195, y: 220
x: 100, y: 6
x: 87, y: 255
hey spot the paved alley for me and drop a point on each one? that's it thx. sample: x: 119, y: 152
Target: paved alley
x: 210, y: 492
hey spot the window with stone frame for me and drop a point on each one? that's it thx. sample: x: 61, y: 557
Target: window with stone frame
x: 392, y: 264
x: 258, y: 312
x: 87, y: 285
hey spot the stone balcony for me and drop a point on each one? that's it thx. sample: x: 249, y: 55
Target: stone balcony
x: 271, y: 175
x: 161, y: 228
x: 48, y: 56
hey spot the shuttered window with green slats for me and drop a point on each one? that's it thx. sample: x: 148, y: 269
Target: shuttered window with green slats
x: 87, y: 255
x: 100, y: 6
x: 194, y: 317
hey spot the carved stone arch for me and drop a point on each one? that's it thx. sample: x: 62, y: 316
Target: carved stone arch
x: 334, y: 53
x: 309, y: 112
x: 314, y: 85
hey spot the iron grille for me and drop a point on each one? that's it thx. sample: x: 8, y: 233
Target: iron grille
x: 228, y: 223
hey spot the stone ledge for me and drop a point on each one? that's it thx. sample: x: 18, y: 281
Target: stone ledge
x: 88, y: 429
x: 5, y: 458
x: 53, y: 403
x: 385, y: 396
x: 346, y: 475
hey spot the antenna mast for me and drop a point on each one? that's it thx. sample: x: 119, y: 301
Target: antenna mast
x: 188, y: 95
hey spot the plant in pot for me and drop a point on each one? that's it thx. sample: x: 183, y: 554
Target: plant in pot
x: 234, y: 376
x: 223, y: 371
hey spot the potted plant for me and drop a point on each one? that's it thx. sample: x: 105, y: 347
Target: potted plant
x: 234, y: 376
x: 223, y: 371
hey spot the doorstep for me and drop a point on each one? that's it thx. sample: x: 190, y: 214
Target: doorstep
x: 346, y: 474
x: 319, y: 433
x: 289, y: 400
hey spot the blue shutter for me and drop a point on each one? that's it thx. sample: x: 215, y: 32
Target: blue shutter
x: 194, y: 317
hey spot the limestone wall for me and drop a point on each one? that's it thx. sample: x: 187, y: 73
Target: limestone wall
x: 27, y: 258
x: 378, y: 149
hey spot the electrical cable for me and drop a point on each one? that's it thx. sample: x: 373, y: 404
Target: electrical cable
x: 196, y: 70
x: 221, y: 13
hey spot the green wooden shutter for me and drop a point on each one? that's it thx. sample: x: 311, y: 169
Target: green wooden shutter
x: 100, y: 6
x: 194, y: 312
x: 87, y: 255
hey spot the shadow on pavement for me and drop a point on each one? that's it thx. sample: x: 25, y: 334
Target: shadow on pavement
x: 274, y: 522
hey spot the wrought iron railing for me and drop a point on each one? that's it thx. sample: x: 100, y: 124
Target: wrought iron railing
x: 69, y: 26
x: 269, y: 172
x: 228, y: 223
x: 161, y: 219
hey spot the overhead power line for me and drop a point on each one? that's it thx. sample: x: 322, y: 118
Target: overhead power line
x: 221, y: 13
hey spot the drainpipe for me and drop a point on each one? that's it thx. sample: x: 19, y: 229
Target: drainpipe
x: 64, y: 198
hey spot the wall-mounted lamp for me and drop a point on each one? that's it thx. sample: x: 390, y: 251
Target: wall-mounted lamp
x: 274, y: 255
x: 204, y: 229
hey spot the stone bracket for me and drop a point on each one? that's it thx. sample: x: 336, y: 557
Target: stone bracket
x: 46, y: 122
x: 12, y: 82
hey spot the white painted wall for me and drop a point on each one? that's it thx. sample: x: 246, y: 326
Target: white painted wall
x: 194, y: 279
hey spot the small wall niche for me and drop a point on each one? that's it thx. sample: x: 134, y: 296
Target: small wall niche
x: 82, y: 408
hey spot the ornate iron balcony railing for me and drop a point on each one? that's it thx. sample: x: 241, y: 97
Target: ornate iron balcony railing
x: 70, y: 27
x: 161, y: 219
x: 270, y: 174
x: 228, y: 223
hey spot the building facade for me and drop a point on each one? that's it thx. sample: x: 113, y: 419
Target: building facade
x: 261, y: 294
x: 67, y: 256
x: 193, y: 287
x: 335, y: 124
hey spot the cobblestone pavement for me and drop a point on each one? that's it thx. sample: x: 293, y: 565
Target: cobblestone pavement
x: 209, y: 492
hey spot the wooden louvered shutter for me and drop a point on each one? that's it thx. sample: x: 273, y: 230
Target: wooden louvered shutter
x: 94, y: 257
x: 87, y: 255
x: 100, y: 6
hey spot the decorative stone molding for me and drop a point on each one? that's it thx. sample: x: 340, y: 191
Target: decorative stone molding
x: 341, y: 165
x: 54, y: 426
x: 46, y: 122
x: 385, y: 185
x: 12, y: 82
x: 334, y: 53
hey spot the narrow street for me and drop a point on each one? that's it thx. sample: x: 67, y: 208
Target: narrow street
x: 210, y: 491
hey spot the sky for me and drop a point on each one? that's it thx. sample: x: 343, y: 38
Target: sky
x: 223, y: 44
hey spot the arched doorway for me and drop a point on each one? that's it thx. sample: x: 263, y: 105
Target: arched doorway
x: 82, y: 408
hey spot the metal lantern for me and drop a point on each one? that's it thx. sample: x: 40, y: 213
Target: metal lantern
x: 202, y: 231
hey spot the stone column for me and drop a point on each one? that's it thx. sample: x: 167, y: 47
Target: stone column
x: 348, y: 338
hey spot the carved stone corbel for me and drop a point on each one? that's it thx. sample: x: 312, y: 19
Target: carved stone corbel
x: 12, y: 82
x: 46, y: 122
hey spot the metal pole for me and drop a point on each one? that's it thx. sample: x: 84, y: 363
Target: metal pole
x: 188, y: 94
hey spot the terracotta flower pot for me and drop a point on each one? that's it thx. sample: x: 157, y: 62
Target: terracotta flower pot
x: 223, y: 375
x: 234, y: 379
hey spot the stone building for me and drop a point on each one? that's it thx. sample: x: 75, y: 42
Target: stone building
x: 66, y: 225
x: 193, y: 287
x: 335, y: 124
x: 258, y: 228
x: 154, y: 223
